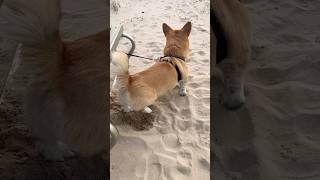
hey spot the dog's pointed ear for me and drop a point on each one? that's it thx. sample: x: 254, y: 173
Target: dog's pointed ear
x: 186, y: 28
x: 166, y: 29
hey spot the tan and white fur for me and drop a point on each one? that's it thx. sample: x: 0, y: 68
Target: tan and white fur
x: 65, y: 101
x: 138, y: 91
x: 235, y: 23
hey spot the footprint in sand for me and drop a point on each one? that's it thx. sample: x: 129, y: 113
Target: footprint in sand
x: 184, y: 163
x: 204, y: 137
x: 136, y: 166
x: 182, y: 170
x: 201, y: 29
x: 205, y: 162
x: 201, y: 53
x: 186, y: 113
x: 173, y: 107
x: 155, y: 170
x: 193, y: 85
x: 136, y: 31
x: 156, y: 50
x: 172, y: 173
x: 201, y: 110
x: 168, y: 7
x: 154, y: 167
x: 171, y: 140
x: 204, y: 60
x: 184, y: 125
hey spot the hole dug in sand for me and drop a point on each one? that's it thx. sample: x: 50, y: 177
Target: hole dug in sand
x: 137, y: 120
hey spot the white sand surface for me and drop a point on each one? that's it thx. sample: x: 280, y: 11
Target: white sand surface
x: 173, y: 142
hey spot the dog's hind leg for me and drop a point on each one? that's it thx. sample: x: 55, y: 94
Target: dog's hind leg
x: 143, y: 99
x: 124, y: 100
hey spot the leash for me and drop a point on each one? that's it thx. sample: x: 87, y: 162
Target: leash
x: 138, y: 56
x: 129, y: 54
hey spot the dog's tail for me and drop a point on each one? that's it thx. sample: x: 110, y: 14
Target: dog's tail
x: 34, y: 24
x: 120, y: 60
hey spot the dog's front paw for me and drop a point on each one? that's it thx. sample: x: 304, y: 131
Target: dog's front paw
x: 182, y: 92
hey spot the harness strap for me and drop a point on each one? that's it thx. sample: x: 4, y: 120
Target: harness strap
x: 178, y: 72
x: 179, y: 75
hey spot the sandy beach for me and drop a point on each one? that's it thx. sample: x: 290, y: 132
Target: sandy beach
x: 276, y: 135
x: 172, y: 143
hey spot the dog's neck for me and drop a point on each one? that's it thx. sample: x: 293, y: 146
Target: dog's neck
x: 174, y: 51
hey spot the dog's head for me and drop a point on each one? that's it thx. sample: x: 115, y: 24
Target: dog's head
x: 229, y: 77
x: 177, y: 41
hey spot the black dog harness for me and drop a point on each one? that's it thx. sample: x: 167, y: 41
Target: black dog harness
x: 167, y: 59
x: 221, y: 49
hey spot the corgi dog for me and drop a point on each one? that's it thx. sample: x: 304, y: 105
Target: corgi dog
x: 65, y: 101
x: 230, y: 23
x: 138, y: 91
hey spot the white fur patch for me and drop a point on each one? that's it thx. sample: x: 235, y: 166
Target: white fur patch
x: 147, y: 110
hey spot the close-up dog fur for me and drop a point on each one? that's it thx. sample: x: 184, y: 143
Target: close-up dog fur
x: 65, y: 101
x: 230, y: 23
x: 138, y: 91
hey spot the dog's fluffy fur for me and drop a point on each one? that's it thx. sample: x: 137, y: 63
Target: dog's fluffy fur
x: 235, y: 23
x: 140, y: 90
x: 65, y: 102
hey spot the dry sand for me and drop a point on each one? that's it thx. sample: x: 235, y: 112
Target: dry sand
x: 276, y: 136
x: 172, y: 143
x: 18, y: 157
